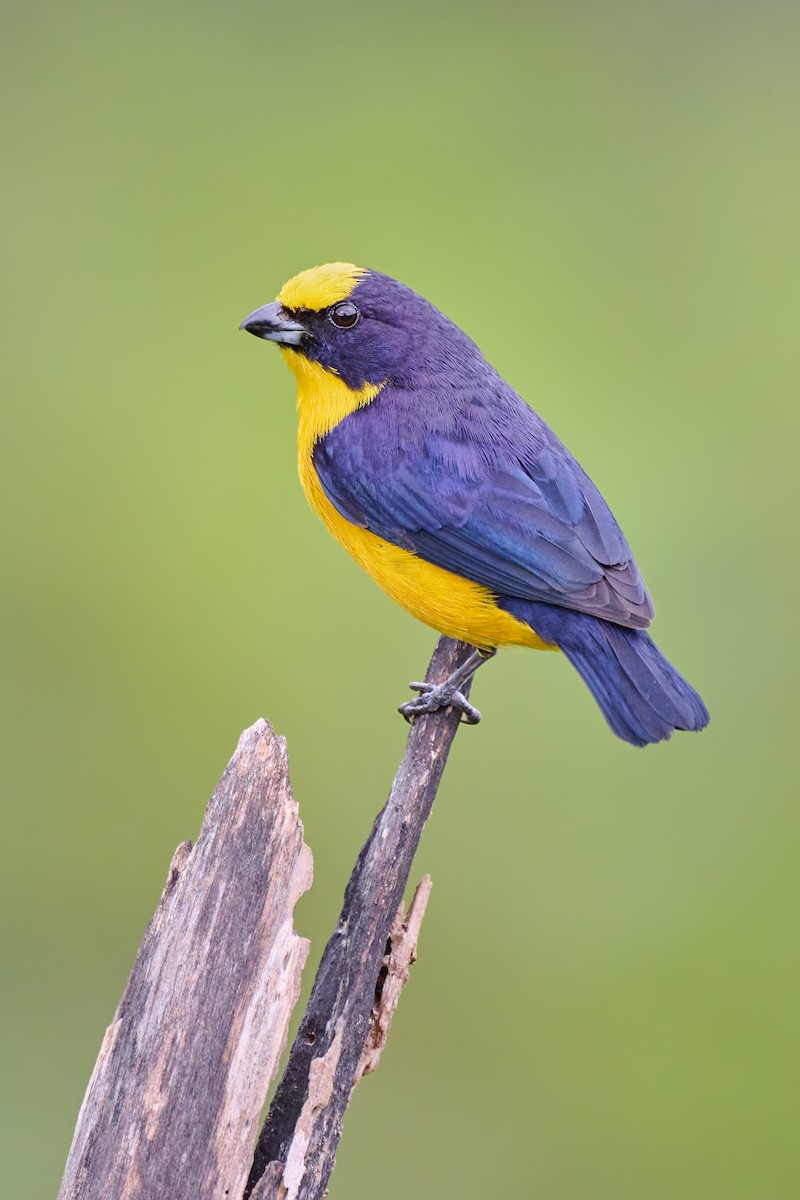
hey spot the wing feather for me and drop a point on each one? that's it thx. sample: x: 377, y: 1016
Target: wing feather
x: 487, y: 492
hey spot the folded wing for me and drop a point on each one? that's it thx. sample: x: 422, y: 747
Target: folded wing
x: 485, y: 491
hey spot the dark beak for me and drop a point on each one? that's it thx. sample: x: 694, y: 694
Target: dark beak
x: 273, y: 324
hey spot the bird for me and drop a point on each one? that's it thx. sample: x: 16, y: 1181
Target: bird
x: 460, y: 501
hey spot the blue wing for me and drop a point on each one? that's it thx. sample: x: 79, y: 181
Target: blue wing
x: 477, y: 484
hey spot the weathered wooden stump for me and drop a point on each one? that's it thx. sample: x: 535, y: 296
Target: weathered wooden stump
x: 172, y: 1107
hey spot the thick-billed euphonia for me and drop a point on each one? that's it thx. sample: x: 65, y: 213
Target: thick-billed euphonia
x: 459, y: 500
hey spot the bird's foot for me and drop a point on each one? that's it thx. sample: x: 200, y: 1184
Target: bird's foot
x: 434, y: 696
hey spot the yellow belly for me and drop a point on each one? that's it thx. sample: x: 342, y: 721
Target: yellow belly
x: 448, y: 603
x: 452, y: 605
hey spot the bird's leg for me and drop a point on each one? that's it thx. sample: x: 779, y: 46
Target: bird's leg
x: 448, y: 694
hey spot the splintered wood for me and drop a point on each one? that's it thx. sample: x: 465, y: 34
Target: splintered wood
x: 401, y: 952
x: 172, y: 1107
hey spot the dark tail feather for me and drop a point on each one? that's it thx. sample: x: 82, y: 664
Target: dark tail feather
x: 640, y: 693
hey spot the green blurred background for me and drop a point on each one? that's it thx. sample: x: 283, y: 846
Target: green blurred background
x: 606, y: 196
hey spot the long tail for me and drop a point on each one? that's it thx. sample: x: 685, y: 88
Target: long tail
x: 640, y: 693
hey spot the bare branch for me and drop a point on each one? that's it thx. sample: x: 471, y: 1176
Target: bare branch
x: 304, y: 1123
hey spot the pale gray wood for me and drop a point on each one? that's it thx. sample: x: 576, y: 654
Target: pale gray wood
x: 172, y: 1107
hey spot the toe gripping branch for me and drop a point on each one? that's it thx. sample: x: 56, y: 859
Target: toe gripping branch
x: 449, y: 693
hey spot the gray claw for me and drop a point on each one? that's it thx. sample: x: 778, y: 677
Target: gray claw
x: 435, y: 696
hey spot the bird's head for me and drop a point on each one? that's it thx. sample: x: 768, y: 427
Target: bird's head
x: 359, y: 325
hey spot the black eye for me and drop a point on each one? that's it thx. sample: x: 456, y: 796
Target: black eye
x: 345, y: 316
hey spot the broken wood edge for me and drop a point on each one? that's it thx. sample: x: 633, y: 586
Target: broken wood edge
x: 173, y: 1103
x: 281, y: 1180
x: 401, y: 954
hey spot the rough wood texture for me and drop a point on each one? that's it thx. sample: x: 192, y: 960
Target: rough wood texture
x: 401, y: 954
x: 298, y: 1143
x: 172, y: 1106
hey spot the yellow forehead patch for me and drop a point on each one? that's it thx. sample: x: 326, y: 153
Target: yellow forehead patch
x: 319, y: 287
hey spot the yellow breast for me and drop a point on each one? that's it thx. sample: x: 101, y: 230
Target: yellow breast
x: 447, y: 602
